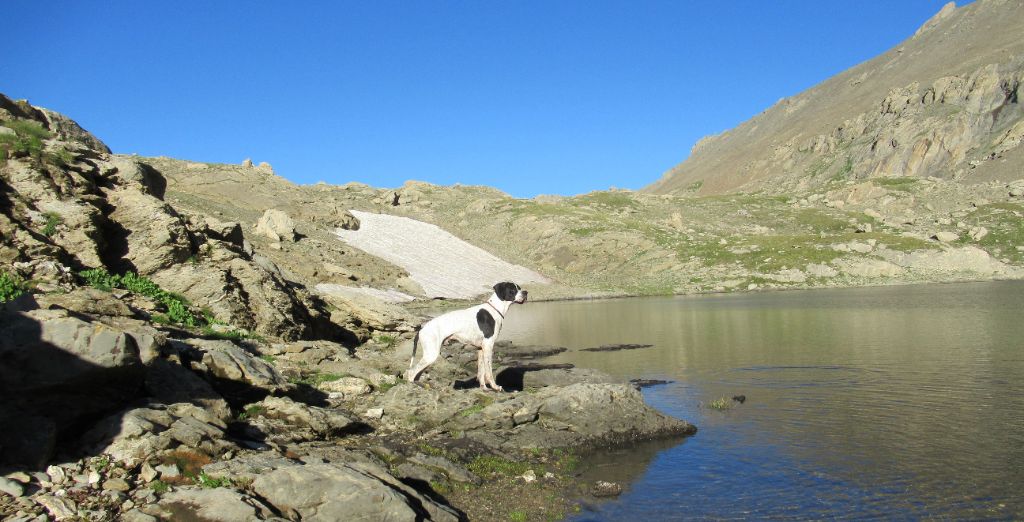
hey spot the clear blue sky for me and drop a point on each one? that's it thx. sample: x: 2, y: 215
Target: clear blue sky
x: 531, y: 97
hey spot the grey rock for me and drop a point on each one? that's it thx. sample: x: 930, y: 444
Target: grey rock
x: 136, y: 515
x: 247, y: 467
x: 945, y: 236
x: 116, y: 484
x: 214, y: 505
x: 167, y: 471
x: 229, y: 361
x: 11, y: 487
x: 60, y: 508
x: 283, y: 420
x: 148, y: 473
x: 354, y: 492
x: 606, y: 489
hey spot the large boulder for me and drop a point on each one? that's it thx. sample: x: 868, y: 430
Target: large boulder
x: 350, y: 491
x: 276, y: 225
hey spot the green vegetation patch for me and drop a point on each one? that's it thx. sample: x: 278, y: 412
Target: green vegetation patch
x: 53, y: 219
x: 11, y: 287
x: 1005, y: 224
x: 315, y: 379
x: 486, y: 465
x: 177, y: 306
x: 27, y: 140
x: 607, y: 199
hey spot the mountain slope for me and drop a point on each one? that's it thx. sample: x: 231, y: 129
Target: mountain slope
x: 943, y: 103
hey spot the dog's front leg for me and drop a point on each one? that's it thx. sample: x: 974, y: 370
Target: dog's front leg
x: 488, y: 354
x: 481, y: 375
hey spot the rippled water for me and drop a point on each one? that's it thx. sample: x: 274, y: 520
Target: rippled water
x: 894, y: 403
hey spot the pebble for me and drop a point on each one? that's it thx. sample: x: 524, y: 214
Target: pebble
x: 529, y: 476
x: 374, y: 413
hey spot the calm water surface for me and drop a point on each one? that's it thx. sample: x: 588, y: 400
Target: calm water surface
x: 889, y: 403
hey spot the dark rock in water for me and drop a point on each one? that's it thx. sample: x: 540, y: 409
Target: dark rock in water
x: 740, y: 398
x: 647, y: 383
x: 506, y: 350
x: 606, y: 489
x: 616, y: 347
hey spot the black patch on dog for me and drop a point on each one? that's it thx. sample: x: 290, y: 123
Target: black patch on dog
x: 506, y: 291
x: 486, y: 323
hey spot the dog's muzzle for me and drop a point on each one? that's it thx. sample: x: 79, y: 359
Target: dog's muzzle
x: 521, y: 296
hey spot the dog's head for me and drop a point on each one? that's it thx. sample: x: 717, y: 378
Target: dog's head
x: 509, y: 291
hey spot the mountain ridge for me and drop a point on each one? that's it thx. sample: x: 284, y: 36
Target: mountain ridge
x: 769, y: 145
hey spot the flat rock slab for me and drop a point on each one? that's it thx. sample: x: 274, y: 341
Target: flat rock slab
x: 442, y: 264
x: 616, y: 347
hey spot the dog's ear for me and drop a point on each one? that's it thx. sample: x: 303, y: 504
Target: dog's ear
x: 506, y: 291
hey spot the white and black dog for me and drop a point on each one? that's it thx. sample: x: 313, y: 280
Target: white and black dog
x: 476, y: 326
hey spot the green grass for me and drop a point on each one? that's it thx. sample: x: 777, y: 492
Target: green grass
x: 11, y: 287
x: 159, y: 486
x: 517, y: 516
x: 487, y: 465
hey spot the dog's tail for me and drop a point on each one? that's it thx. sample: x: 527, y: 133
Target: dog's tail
x: 415, y: 342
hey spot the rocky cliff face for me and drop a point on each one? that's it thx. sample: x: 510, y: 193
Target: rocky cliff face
x: 945, y: 103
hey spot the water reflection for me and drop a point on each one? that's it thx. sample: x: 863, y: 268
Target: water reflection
x: 904, y: 401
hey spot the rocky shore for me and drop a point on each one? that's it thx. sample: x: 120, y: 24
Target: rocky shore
x: 158, y: 364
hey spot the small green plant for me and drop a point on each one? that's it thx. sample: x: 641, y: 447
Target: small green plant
x: 209, y: 482
x: 52, y: 220
x: 721, y: 403
x: 11, y: 287
x: 100, y: 463
x: 252, y: 411
x: 517, y: 516
x: 159, y: 486
x: 268, y: 358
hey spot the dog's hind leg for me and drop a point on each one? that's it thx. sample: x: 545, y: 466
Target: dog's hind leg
x: 431, y: 350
